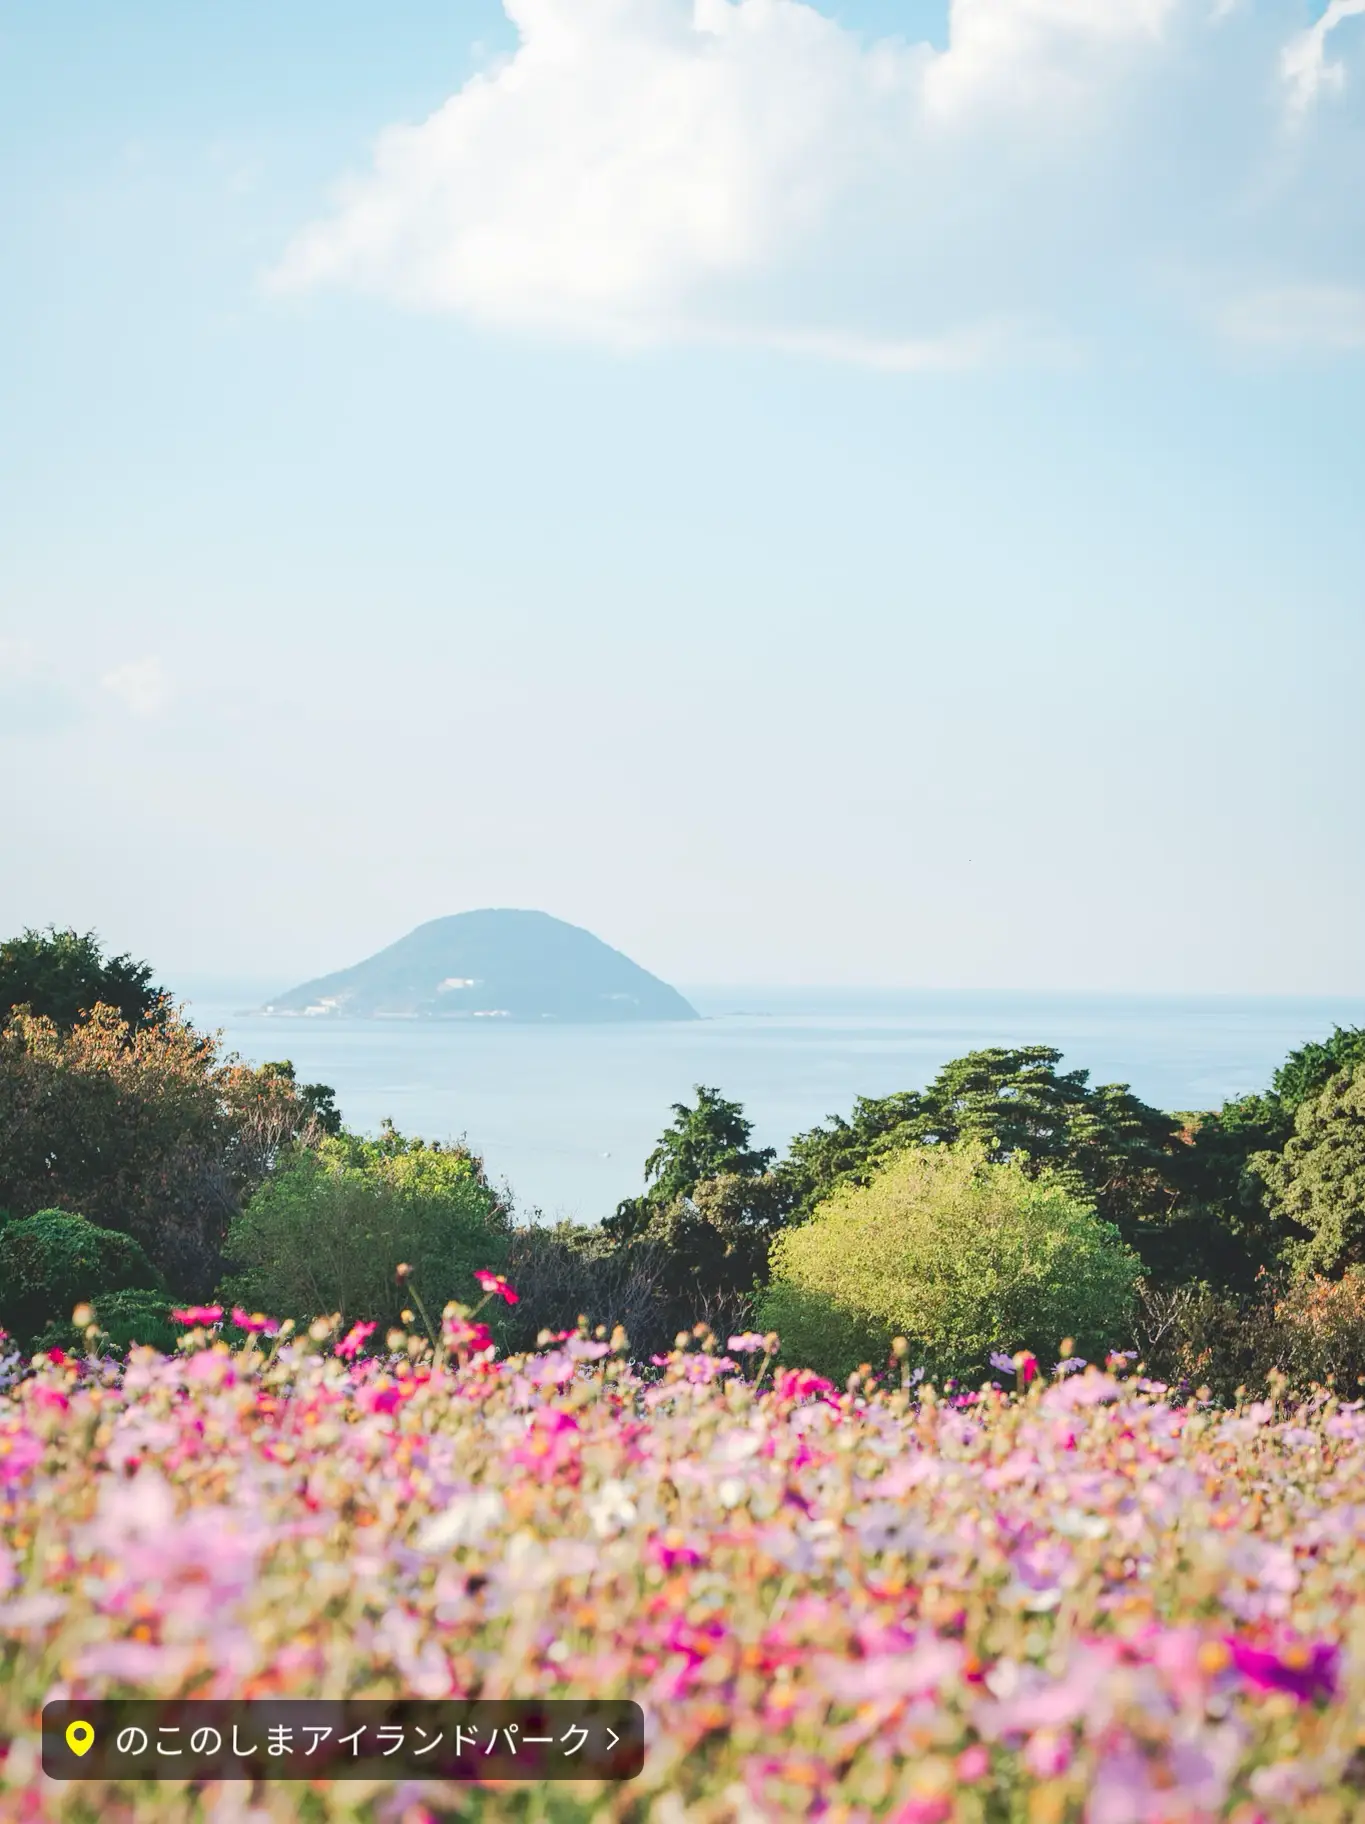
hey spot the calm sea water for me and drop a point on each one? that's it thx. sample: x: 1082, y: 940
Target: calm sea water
x: 565, y: 1115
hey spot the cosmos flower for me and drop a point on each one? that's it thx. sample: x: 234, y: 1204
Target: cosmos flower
x: 354, y: 1341
x: 254, y: 1322
x: 495, y: 1283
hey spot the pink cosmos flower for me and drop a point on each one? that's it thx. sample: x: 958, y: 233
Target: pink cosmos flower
x: 494, y: 1282
x: 1306, y: 1672
x: 672, y: 1550
x: 20, y: 1452
x: 465, y: 1338
x: 199, y: 1314
x: 354, y: 1341
x: 801, y: 1384
x: 923, y: 1811
x: 748, y: 1344
x: 973, y: 1764
x: 1047, y: 1753
x: 254, y: 1323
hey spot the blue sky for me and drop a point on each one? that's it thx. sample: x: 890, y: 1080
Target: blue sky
x: 851, y: 495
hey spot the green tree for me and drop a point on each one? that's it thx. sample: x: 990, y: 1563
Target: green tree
x: 1318, y: 1181
x: 958, y: 1254
x: 1306, y: 1071
x: 1109, y: 1147
x: 145, y: 1129
x: 316, y: 1102
x: 328, y: 1229
x: 52, y: 1261
x: 63, y: 975
x: 700, y: 1233
x: 708, y: 1139
x: 703, y: 1141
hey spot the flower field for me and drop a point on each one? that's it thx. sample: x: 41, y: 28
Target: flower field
x: 1078, y: 1602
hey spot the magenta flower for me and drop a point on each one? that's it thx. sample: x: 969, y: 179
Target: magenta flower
x: 494, y: 1282
x: 254, y: 1322
x: 801, y: 1384
x: 466, y: 1338
x: 199, y: 1314
x: 1306, y: 1672
x: 354, y: 1341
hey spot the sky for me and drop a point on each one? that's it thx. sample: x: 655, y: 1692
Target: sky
x: 862, y: 493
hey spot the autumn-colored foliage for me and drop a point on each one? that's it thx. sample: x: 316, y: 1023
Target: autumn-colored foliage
x: 144, y: 1129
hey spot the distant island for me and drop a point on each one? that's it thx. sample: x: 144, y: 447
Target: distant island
x: 490, y: 965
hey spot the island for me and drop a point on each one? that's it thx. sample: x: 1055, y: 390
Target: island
x: 497, y: 964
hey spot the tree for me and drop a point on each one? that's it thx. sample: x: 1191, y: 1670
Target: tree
x: 144, y: 1129
x: 327, y: 1231
x: 707, y: 1140
x: 1104, y: 1143
x: 1306, y: 1072
x: 314, y: 1103
x: 52, y: 1261
x: 62, y: 976
x: 701, y: 1142
x: 958, y: 1254
x: 1318, y: 1181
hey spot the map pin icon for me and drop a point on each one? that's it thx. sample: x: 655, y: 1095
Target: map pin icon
x: 80, y: 1737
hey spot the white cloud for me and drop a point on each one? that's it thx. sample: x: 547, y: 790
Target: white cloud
x: 142, y: 686
x: 1306, y: 67
x: 1323, y: 317
x: 748, y: 170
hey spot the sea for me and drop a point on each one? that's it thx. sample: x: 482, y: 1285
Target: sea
x: 563, y: 1116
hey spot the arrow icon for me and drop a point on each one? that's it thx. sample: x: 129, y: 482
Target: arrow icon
x: 612, y: 1738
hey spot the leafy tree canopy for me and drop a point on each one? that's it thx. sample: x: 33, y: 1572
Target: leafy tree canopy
x: 327, y: 1231
x: 1104, y: 1142
x: 145, y: 1129
x: 705, y: 1140
x: 317, y: 1101
x: 1318, y: 1181
x: 1306, y: 1071
x: 960, y: 1255
x: 62, y: 975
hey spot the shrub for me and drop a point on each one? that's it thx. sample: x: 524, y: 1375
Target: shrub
x: 52, y: 1261
x: 958, y: 1255
x: 1305, y: 1329
x: 1320, y: 1326
x: 122, y: 1319
x: 328, y: 1230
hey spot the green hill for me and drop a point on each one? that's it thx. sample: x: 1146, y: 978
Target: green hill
x: 505, y: 965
